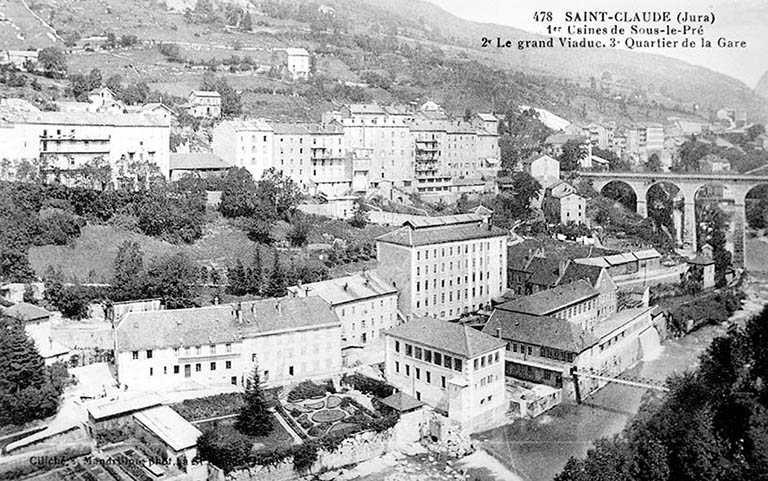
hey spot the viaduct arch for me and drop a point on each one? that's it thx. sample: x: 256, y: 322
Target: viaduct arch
x: 690, y: 183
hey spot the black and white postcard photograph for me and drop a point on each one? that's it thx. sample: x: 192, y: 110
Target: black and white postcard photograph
x: 383, y: 240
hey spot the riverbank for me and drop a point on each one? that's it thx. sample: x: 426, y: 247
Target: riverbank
x: 539, y: 448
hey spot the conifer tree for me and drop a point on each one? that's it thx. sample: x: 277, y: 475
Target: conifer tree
x: 277, y: 284
x: 254, y: 419
x: 256, y: 280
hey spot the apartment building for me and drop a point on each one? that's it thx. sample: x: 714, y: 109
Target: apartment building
x: 430, y: 139
x: 644, y: 139
x: 246, y: 143
x: 364, y: 303
x: 289, y: 339
x: 457, y: 370
x: 332, y: 170
x: 293, y: 152
x: 384, y: 130
x: 444, y: 266
x: 64, y: 142
x: 562, y: 205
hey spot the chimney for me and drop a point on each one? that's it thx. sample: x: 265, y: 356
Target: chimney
x: 346, y: 286
x: 498, y: 332
x: 279, y: 308
x: 239, y: 312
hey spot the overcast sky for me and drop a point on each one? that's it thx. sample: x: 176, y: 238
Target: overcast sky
x: 738, y: 20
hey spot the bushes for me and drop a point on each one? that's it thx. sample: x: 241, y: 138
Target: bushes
x: 306, y: 390
x: 21, y: 467
x: 209, y: 407
x: 367, y: 385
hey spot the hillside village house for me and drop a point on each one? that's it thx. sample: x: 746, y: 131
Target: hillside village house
x: 290, y: 339
x: 364, y: 303
x: 456, y: 369
x: 37, y: 325
x: 204, y: 104
x: 297, y: 63
x: 563, y: 205
x: 66, y: 141
x: 444, y: 266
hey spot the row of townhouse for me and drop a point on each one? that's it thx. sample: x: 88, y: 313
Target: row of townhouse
x: 636, y: 142
x: 288, y: 339
x: 359, y: 146
x: 61, y: 143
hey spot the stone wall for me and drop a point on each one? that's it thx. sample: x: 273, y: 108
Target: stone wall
x: 353, y: 450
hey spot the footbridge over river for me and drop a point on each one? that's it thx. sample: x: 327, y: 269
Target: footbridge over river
x: 737, y: 185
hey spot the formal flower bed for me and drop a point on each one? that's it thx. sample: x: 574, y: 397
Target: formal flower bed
x: 333, y: 414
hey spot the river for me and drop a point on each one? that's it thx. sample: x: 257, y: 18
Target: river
x: 539, y: 448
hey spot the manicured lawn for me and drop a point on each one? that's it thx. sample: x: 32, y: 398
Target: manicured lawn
x: 279, y: 436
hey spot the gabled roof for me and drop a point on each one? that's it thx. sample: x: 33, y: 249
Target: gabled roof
x: 545, y: 302
x: 647, y: 254
x: 545, y: 271
x: 536, y: 157
x: 288, y: 129
x: 487, y: 117
x: 539, y: 331
x: 25, y: 312
x: 458, y: 339
x: 351, y: 288
x: 169, y: 426
x: 576, y: 271
x: 297, y: 51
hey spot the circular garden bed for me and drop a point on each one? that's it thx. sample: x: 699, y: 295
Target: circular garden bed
x: 328, y: 416
x: 333, y: 402
x: 343, y: 427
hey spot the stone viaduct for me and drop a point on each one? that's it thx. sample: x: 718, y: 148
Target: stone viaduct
x: 738, y: 186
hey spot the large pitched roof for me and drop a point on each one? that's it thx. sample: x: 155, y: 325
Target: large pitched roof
x: 545, y: 302
x: 82, y: 118
x: 576, y: 271
x: 455, y: 338
x: 103, y: 408
x: 197, y: 161
x: 285, y: 314
x: 402, y: 402
x: 545, y: 271
x: 539, y: 331
x: 346, y: 289
x: 24, y: 311
x: 437, y: 230
x: 176, y: 328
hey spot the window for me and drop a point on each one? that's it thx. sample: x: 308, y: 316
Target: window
x: 397, y: 366
x: 418, y: 373
x: 409, y: 350
x: 447, y: 361
x: 496, y: 357
x: 429, y: 377
x: 457, y: 364
x: 442, y: 382
x: 417, y: 353
x: 151, y: 371
x: 198, y: 367
x: 165, y: 369
x: 290, y: 370
x: 407, y: 370
x: 427, y: 355
x: 175, y: 369
x: 482, y: 361
x: 228, y: 365
x: 397, y: 346
x: 233, y: 380
x: 228, y: 347
x: 198, y: 350
x: 135, y: 354
x: 438, y: 359
x: 477, y: 365
x: 213, y: 366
